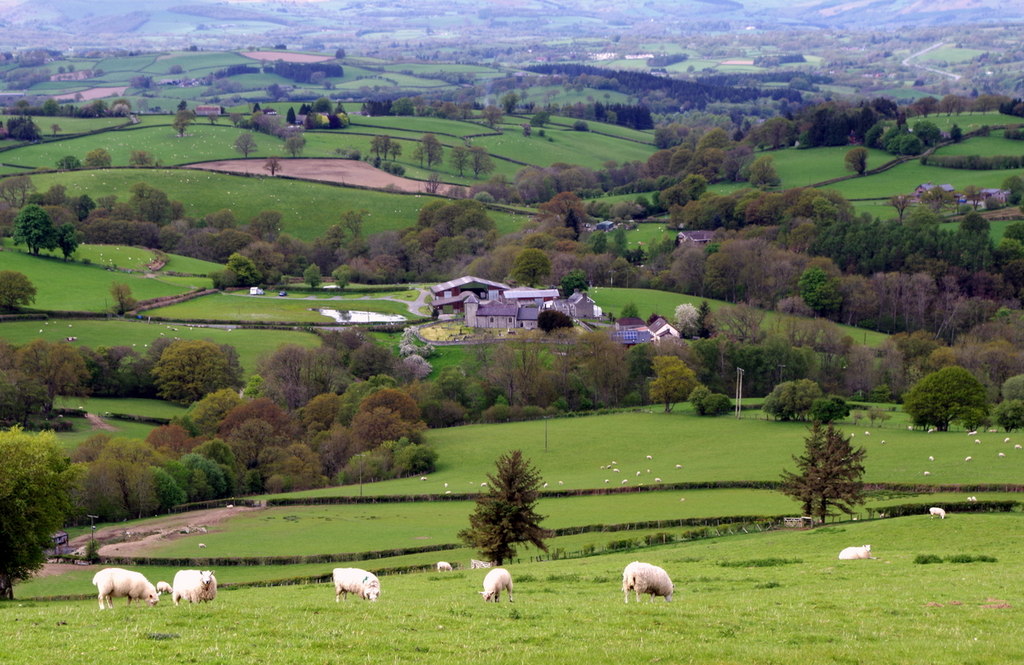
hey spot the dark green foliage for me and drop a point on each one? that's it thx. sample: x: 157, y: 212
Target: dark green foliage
x: 1009, y: 414
x: 955, y: 558
x: 949, y: 395
x: 830, y: 474
x: 792, y: 400
x: 759, y: 563
x: 505, y: 515
x: 552, y: 319
x: 707, y: 403
x: 34, y: 228
x: 829, y: 409
x: 927, y: 558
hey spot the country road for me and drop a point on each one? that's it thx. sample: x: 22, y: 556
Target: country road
x: 907, y: 62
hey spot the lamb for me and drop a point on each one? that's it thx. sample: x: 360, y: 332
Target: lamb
x: 474, y: 564
x: 163, y: 587
x: 935, y: 511
x: 497, y: 580
x: 443, y: 566
x: 121, y: 583
x: 355, y: 580
x: 851, y: 553
x: 646, y: 578
x: 195, y: 586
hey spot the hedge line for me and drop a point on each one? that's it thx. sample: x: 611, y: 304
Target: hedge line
x: 206, y: 562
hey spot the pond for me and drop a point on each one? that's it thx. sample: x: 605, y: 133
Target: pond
x: 356, y: 316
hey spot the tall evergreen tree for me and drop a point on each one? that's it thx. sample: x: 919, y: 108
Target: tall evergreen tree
x: 830, y: 474
x: 506, y: 514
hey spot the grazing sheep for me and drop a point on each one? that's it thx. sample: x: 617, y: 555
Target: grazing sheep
x: 474, y: 564
x: 972, y: 432
x: 649, y: 457
x: 646, y: 578
x: 882, y: 442
x: 497, y: 580
x: 931, y: 458
x: 1006, y: 440
x: 624, y: 481
x: 121, y: 583
x: 443, y: 566
x: 867, y: 433
x: 163, y: 587
x: 1017, y: 446
x: 202, y: 546
x: 679, y: 466
x: 927, y: 473
x: 851, y: 553
x: 968, y: 458
x: 195, y: 586
x: 1002, y: 454
x: 355, y: 580
x: 657, y: 480
x: 977, y: 440
x: 935, y: 511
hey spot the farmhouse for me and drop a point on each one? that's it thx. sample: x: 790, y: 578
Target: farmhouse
x: 498, y: 314
x: 578, y: 306
x: 660, y: 329
x: 926, y: 187
x: 208, y: 110
x: 702, y: 237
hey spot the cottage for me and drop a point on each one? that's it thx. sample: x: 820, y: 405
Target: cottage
x: 211, y: 110
x: 578, y: 306
x: 632, y: 336
x: 499, y: 315
x: 700, y: 237
x: 630, y: 323
x: 528, y: 296
x: 660, y: 329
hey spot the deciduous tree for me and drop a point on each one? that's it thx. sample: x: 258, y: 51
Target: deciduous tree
x: 36, y: 486
x: 34, y: 228
x: 190, y: 369
x: 673, y: 381
x: 856, y: 160
x: 952, y: 394
x: 245, y: 143
x: 506, y: 514
x: 15, y: 290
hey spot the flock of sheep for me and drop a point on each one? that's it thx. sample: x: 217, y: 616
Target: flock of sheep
x: 197, y: 586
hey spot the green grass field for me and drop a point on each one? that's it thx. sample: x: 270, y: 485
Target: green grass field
x: 251, y: 344
x: 271, y: 308
x: 587, y: 149
x: 147, y: 408
x: 799, y: 605
x: 74, y: 286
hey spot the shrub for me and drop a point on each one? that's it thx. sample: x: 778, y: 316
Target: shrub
x: 927, y: 558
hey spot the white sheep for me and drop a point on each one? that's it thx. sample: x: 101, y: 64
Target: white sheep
x: 443, y: 566
x: 355, y: 580
x: 972, y: 432
x: 1017, y: 446
x: 496, y: 581
x: 474, y: 564
x: 927, y: 473
x: 1002, y: 454
x: 931, y: 458
x: 163, y: 587
x: 968, y: 458
x: 935, y: 511
x: 649, y: 457
x: 121, y: 583
x: 195, y: 586
x: 202, y: 546
x: 851, y: 553
x: 640, y: 577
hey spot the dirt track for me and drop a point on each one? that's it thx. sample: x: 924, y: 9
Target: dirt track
x: 341, y: 171
x: 157, y: 531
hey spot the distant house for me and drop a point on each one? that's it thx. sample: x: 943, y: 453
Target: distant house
x: 660, y: 329
x: 578, y: 306
x: 208, y: 110
x: 632, y: 336
x: 926, y: 187
x: 700, y: 237
x: 255, y: 291
x: 998, y: 195
x: 60, y: 544
x: 630, y: 323
x: 606, y: 225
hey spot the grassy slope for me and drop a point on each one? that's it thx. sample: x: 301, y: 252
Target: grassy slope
x: 806, y: 608
x: 251, y: 344
x: 75, y: 286
x: 242, y: 307
x: 307, y: 208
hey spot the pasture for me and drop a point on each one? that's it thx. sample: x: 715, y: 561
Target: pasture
x: 251, y: 344
x: 271, y: 308
x: 71, y: 286
x: 752, y: 599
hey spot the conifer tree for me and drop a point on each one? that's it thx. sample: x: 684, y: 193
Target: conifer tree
x: 830, y: 474
x: 505, y: 514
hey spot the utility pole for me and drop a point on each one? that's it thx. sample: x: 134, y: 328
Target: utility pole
x: 739, y: 391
